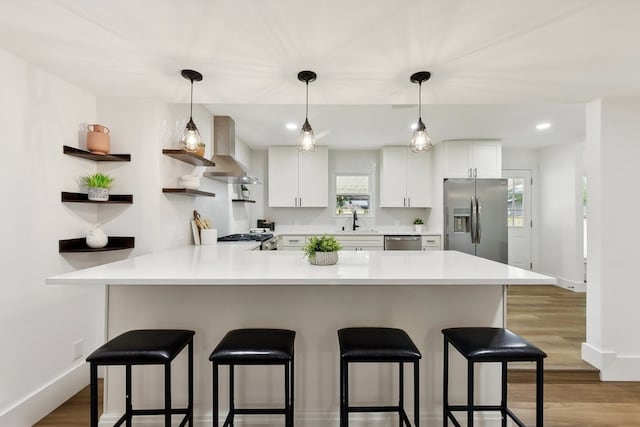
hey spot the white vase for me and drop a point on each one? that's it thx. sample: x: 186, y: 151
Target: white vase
x: 96, y: 238
x: 418, y: 228
x: 324, y: 258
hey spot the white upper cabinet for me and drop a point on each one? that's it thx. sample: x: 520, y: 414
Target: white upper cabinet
x: 405, y: 178
x: 298, y: 179
x: 472, y: 159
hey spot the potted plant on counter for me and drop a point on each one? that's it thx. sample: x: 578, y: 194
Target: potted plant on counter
x: 98, y: 185
x: 417, y: 225
x: 244, y: 191
x: 322, y: 250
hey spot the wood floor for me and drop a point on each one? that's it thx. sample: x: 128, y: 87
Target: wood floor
x: 548, y: 316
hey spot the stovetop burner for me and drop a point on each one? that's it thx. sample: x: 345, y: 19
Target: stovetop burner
x: 245, y: 237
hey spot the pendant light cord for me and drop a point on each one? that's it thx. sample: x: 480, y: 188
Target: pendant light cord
x: 191, y: 103
x: 420, y: 100
x: 306, y: 104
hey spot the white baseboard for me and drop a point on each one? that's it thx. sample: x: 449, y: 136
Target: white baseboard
x: 613, y: 367
x: 35, y: 406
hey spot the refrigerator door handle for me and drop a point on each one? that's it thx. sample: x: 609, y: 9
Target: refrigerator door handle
x: 478, y: 219
x: 472, y: 220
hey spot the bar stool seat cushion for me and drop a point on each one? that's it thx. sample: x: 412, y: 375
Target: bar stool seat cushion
x: 483, y: 344
x: 142, y: 346
x: 255, y: 346
x: 369, y: 344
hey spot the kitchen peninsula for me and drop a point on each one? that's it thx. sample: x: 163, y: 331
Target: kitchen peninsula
x: 213, y: 289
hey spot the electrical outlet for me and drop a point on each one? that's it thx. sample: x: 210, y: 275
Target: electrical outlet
x: 77, y: 349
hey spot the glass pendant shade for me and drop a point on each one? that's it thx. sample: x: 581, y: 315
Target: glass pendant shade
x: 191, y: 139
x: 307, y: 140
x: 420, y: 140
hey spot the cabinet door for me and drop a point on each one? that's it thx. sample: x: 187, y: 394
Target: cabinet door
x: 283, y: 176
x: 487, y: 159
x: 393, y: 177
x: 313, y: 178
x: 419, y: 180
x: 457, y: 159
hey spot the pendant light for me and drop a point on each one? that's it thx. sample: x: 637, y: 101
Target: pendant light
x: 420, y: 140
x: 307, y: 140
x: 191, y: 139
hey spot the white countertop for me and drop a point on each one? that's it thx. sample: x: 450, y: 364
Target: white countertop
x: 236, y: 265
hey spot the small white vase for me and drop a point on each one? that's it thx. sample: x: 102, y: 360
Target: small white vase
x: 96, y: 238
x: 324, y: 258
x: 418, y: 228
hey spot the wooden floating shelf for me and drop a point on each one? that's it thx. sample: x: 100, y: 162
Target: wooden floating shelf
x: 243, y: 200
x: 84, y: 198
x: 97, y: 157
x: 187, y: 157
x: 80, y: 245
x: 188, y: 192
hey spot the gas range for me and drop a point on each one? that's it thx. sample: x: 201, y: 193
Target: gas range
x: 267, y: 241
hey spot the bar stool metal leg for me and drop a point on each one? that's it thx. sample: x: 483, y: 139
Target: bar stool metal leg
x: 190, y: 373
x: 232, y: 406
x: 94, y: 394
x: 128, y: 404
x: 539, y: 392
x: 291, y: 405
x: 445, y: 385
x: 416, y: 393
x: 401, y: 393
x: 346, y: 394
x: 215, y: 395
x: 287, y: 415
x: 503, y: 400
x: 470, y: 394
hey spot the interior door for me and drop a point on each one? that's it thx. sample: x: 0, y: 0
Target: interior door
x: 519, y: 219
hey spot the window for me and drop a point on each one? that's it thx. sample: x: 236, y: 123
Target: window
x: 515, y: 208
x: 353, y: 192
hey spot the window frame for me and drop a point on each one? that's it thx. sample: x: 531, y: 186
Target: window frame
x: 371, y: 192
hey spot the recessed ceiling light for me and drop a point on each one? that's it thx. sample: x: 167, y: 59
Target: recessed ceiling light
x: 543, y: 126
x: 292, y: 126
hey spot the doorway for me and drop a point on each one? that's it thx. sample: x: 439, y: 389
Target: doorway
x: 519, y: 219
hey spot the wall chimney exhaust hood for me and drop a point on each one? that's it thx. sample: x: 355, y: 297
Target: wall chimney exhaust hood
x: 228, y: 168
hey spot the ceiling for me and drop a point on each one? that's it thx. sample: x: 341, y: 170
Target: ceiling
x: 498, y: 66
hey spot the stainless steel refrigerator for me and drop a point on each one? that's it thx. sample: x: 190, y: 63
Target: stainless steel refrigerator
x: 475, y: 217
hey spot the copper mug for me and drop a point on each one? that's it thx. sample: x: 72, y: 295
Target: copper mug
x: 98, y: 140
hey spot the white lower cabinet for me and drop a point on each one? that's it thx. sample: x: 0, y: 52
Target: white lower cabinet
x: 291, y: 242
x: 359, y: 242
x: 431, y: 243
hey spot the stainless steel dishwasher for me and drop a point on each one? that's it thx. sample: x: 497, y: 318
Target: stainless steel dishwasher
x: 402, y: 243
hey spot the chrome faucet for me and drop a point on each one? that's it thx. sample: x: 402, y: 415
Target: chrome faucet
x: 355, y: 219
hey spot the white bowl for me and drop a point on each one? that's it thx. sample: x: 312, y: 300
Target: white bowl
x: 192, y: 182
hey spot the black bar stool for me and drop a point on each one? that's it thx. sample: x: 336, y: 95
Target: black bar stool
x: 254, y: 347
x: 377, y: 345
x: 479, y: 345
x: 144, y: 347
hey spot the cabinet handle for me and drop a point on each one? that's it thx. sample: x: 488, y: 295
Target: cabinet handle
x: 469, y: 173
x: 409, y: 201
x: 404, y: 202
x: 475, y: 172
x: 300, y: 201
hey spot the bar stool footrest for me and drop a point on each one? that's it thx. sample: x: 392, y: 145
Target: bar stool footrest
x: 506, y: 413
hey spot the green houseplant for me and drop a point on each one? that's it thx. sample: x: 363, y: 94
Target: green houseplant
x: 417, y: 225
x: 322, y: 250
x: 98, y: 185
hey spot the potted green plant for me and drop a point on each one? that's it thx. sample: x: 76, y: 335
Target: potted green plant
x: 244, y: 191
x: 322, y: 250
x: 98, y: 185
x: 417, y: 225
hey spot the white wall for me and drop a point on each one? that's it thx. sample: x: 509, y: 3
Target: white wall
x: 39, y: 113
x: 340, y: 161
x: 613, y: 292
x: 559, y: 187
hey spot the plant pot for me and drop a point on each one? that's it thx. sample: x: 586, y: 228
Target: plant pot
x: 324, y: 258
x: 98, y: 194
x: 418, y: 228
x: 98, y: 140
x: 245, y: 194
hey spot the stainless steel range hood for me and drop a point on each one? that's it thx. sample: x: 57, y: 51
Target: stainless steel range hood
x: 228, y: 168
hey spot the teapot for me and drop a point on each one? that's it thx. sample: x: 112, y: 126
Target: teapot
x: 96, y: 238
